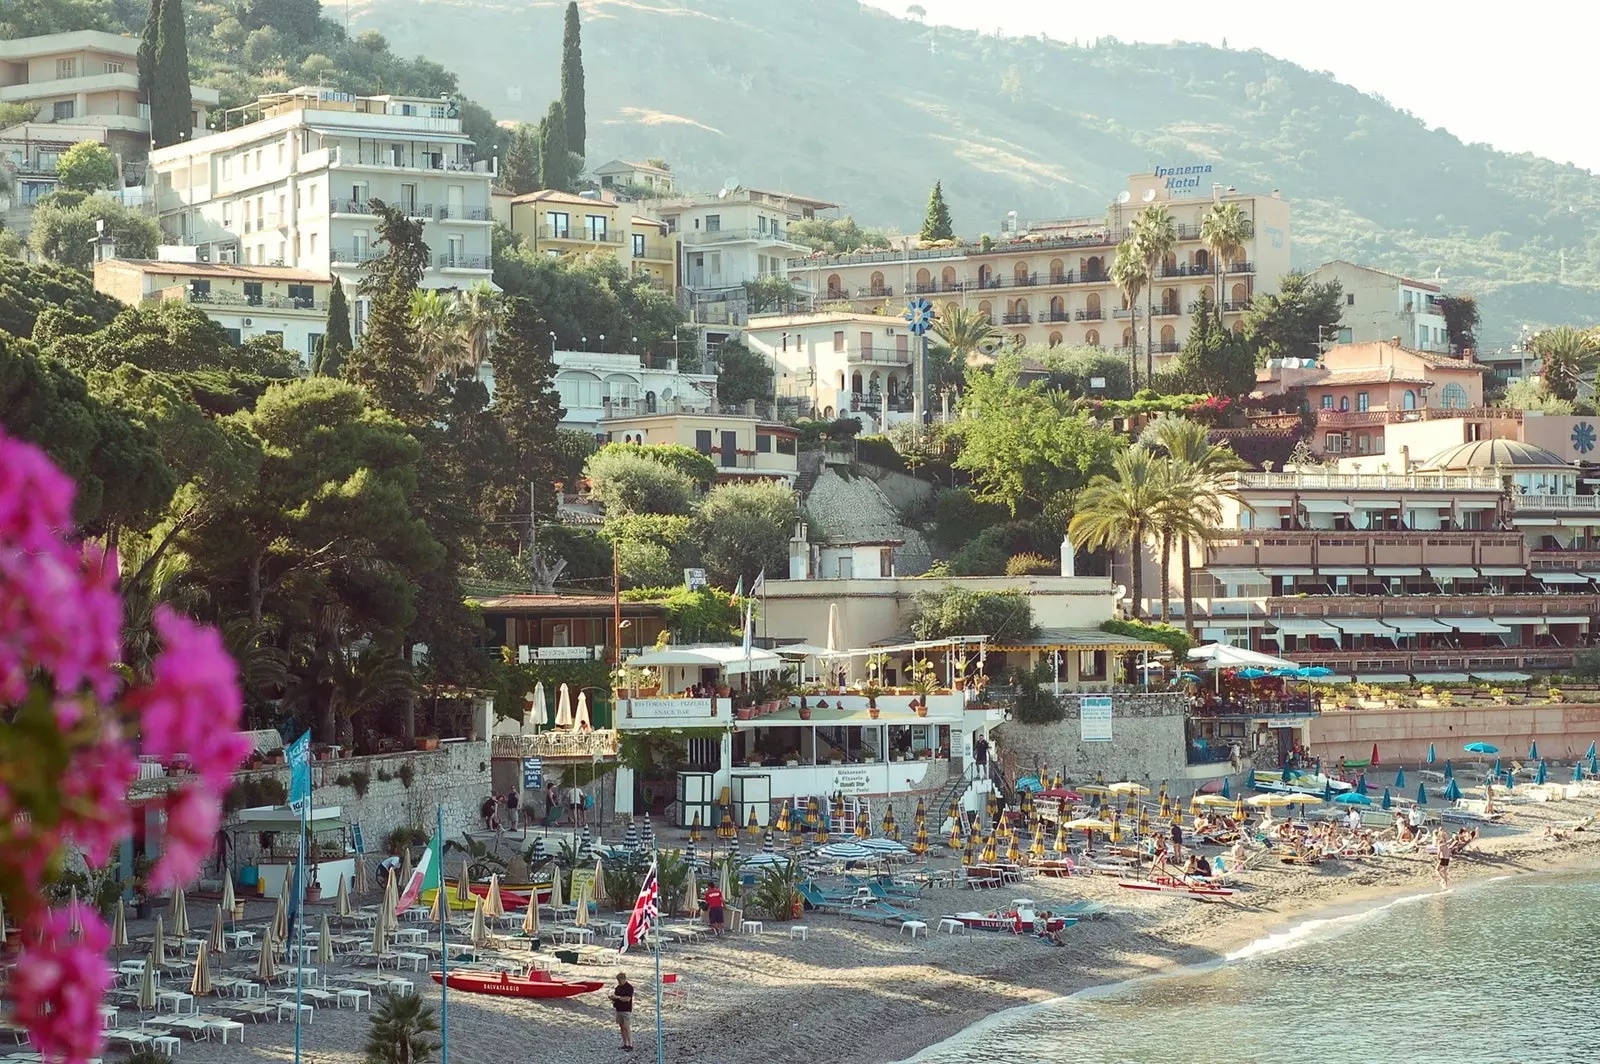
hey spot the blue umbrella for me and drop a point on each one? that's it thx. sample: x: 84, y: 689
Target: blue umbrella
x: 1511, y: 783
x: 1533, y: 750
x: 1544, y: 771
x: 1225, y: 793
x: 1594, y: 765
x: 1577, y: 772
x: 1496, y: 769
x: 1315, y: 672
x: 1251, y: 673
x: 1387, y: 802
x: 1449, y: 771
x: 1361, y: 783
x: 1451, y: 791
x: 1284, y: 673
x: 1352, y: 798
x: 1189, y: 677
x: 1592, y: 751
x: 1481, y: 748
x: 1327, y: 791
x: 1422, y: 795
x: 1431, y: 755
x: 1400, y: 779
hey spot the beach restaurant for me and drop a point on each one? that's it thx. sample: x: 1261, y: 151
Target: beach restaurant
x: 827, y: 740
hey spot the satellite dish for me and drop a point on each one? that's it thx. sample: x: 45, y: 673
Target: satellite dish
x: 1122, y: 591
x: 722, y: 194
x: 1122, y: 197
x: 731, y: 184
x: 1149, y: 194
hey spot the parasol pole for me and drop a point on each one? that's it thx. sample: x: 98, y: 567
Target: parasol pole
x: 661, y: 1036
x: 444, y: 932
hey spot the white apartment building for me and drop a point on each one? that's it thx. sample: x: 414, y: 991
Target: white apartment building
x: 596, y: 385
x: 1379, y: 305
x: 843, y: 363
x: 84, y: 85
x: 294, y: 187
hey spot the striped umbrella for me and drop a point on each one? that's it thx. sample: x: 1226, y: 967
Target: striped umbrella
x: 766, y: 844
x: 920, y: 846
x: 966, y: 852
x: 1013, y: 854
x: 921, y: 814
x: 813, y: 814
x: 1194, y: 804
x: 1116, y: 828
x: 891, y: 830
x: 796, y: 835
x: 821, y: 836
x: 1144, y: 823
x: 694, y: 829
x: 726, y: 829
x: 782, y: 825
x: 1099, y: 779
x: 630, y: 840
x: 1163, y: 790
x: 647, y: 838
x: 753, y: 827
x: 1165, y: 813
x: 990, y: 849
x: 1025, y: 803
x: 1002, y: 826
x: 953, y: 813
x: 955, y: 834
x: 1036, y: 851
x: 994, y: 806
x: 1061, y: 844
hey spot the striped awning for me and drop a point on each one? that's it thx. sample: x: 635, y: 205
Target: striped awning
x: 1362, y: 626
x: 1416, y: 625
x: 1480, y: 625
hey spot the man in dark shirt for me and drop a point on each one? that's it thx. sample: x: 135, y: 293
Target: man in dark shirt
x: 622, y: 1001
x: 1177, y: 840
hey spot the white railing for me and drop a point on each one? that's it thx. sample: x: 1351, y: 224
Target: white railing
x: 1555, y: 502
x: 1372, y: 481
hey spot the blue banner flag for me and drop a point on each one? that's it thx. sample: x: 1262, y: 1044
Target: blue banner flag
x: 299, y: 757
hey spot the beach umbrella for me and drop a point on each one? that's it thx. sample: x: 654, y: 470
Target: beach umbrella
x: 341, y: 901
x: 1013, y: 853
x: 891, y: 830
x: 1451, y: 791
x: 391, y: 904
x: 1327, y: 791
x: 991, y: 848
x: 494, y: 906
x: 1165, y: 812
x: 280, y: 916
x: 782, y: 825
x: 726, y: 829
x: 691, y: 894
x: 363, y: 880
x: 1215, y: 801
x: 580, y: 719
x: 530, y: 916
x: 1361, y: 783
x: 722, y: 879
x: 1238, y: 812
x: 1594, y: 765
x: 119, y: 926
x: 1387, y: 802
x: 1025, y: 802
x: 1194, y: 803
x: 921, y: 813
x: 955, y: 834
x: 694, y: 830
x: 564, y: 708
x: 463, y: 882
x: 1533, y: 750
x: 266, y: 965
x: 1496, y: 769
x: 158, y: 946
x: 1422, y: 795
x: 1374, y: 760
x: 600, y: 895
x: 229, y: 903
x: 630, y: 839
x: 1577, y: 777
x: 814, y: 814
x: 994, y: 807
x: 324, y: 944
x: 863, y: 824
x: 920, y: 845
x: 219, y: 944
x: 1543, y: 773
x: 1432, y: 754
x: 1144, y: 822
x: 555, y: 888
x: 147, y: 985
x: 479, y: 933
x: 1511, y: 782
x: 200, y: 985
x: 1302, y: 799
x: 436, y: 908
x: 966, y: 852
x: 846, y: 851
x: 1116, y: 828
x: 753, y: 827
x: 1481, y: 748
x: 1400, y: 779
x: 1449, y: 770
x: 1592, y: 751
x: 380, y: 930
x: 766, y: 843
x: 541, y: 715
x: 180, y: 913
x: 74, y: 924
x: 406, y: 867
x: 1270, y: 801
x: 1352, y: 798
x: 1226, y: 793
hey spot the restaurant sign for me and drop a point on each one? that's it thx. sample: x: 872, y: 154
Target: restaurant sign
x: 852, y: 779
x: 669, y: 709
x: 1094, y: 718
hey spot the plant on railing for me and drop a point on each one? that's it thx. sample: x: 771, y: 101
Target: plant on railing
x: 1554, y: 695
x: 71, y: 710
x: 1447, y: 698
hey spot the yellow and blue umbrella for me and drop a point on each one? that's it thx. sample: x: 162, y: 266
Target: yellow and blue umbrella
x: 694, y: 829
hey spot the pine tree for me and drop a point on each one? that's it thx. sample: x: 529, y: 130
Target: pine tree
x: 145, y: 58
x: 386, y: 362
x: 525, y: 403
x: 170, y: 97
x: 521, y: 172
x: 572, y: 101
x: 335, y: 342
x: 553, y: 170
x: 936, y: 226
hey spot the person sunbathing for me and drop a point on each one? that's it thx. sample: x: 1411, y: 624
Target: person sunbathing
x: 1554, y: 834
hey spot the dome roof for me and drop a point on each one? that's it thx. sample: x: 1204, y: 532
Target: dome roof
x: 1489, y: 454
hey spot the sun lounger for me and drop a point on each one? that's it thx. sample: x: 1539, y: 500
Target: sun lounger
x: 1083, y: 909
x: 818, y: 901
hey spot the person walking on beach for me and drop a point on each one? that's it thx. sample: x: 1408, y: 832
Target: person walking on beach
x: 575, y: 802
x: 1177, y: 840
x: 552, y: 803
x: 622, y: 1001
x: 714, y: 909
x: 1442, y: 861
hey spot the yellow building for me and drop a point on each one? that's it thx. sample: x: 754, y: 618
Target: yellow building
x: 742, y: 447
x: 654, y: 252
x: 281, y: 301
x: 561, y: 223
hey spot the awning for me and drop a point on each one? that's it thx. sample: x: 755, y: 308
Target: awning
x: 1416, y: 625
x: 730, y: 659
x: 1502, y: 677
x: 1535, y: 522
x: 1335, y: 678
x: 1591, y: 574
x: 1566, y: 620
x: 1236, y: 575
x: 1279, y: 570
x: 1396, y: 570
x: 1305, y: 626
x: 1480, y: 625
x: 1420, y: 504
x: 1383, y: 677
x: 1361, y: 626
x: 1503, y: 570
x: 1268, y: 504
x: 1467, y: 504
x: 1452, y: 572
x: 1561, y: 578
x: 1326, y: 506
x: 1377, y: 504
x: 1519, y: 620
x: 1441, y: 677
x: 1342, y: 570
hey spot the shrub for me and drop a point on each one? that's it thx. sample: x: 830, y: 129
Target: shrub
x: 402, y: 837
x: 407, y: 774
x: 627, y: 483
x: 1035, y: 704
x: 686, y: 460
x: 776, y: 892
x: 1031, y: 565
x: 743, y: 529
x: 1174, y: 639
x: 1003, y: 616
x: 359, y: 782
x: 957, y: 517
x: 1586, y: 664
x: 642, y: 563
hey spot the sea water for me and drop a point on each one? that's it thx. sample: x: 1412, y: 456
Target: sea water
x: 1493, y: 973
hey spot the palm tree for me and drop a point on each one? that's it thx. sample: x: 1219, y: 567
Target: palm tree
x: 1567, y: 354
x: 1200, y: 482
x: 482, y: 313
x: 401, y: 1025
x: 437, y: 326
x: 1154, y: 235
x: 1175, y: 517
x: 1128, y: 273
x: 1120, y: 511
x: 1223, y: 230
x: 960, y: 335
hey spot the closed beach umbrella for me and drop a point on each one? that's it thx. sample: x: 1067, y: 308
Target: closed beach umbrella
x: 436, y: 909
x: 1449, y: 770
x: 555, y: 888
x: 766, y: 843
x: 119, y: 926
x: 580, y: 720
x: 814, y: 813
x: 180, y: 914
x: 581, y: 903
x: 1400, y: 779
x: 391, y: 902
x: 891, y: 830
x: 1594, y: 765
x: 1327, y: 791
x: 863, y: 824
x: 74, y: 924
x: 1451, y: 791
x: 380, y: 932
x: 200, y: 985
x: 147, y: 985
x: 1511, y: 782
x: 1577, y: 777
x: 599, y: 881
x: 727, y: 829
x: 722, y: 882
x: 922, y: 811
x: 753, y: 827
x: 1061, y: 844
x: 691, y: 894
x: 694, y: 829
x: 158, y: 947
x: 1543, y: 773
x: 1374, y: 753
x: 266, y: 965
x: 324, y: 944
x: 219, y: 944
x: 955, y: 834
x: 966, y: 851
x: 796, y: 837
x: 564, y: 708
x: 991, y: 849
x: 1432, y: 754
x: 1036, y: 849
x: 493, y: 905
x: 463, y: 882
x: 1361, y: 783
x: 920, y: 845
x: 1116, y: 828
x: 1422, y: 795
x: 342, y: 901
x: 1496, y: 769
x: 541, y: 715
x: 480, y: 931
x: 363, y: 881
x: 229, y: 902
x: 1226, y: 792
x: 530, y: 916
x: 1144, y: 822
x: 280, y: 917
x: 1533, y: 750
x: 1387, y: 802
x: 1238, y: 814
x: 1592, y: 751
x: 782, y: 826
x: 406, y: 867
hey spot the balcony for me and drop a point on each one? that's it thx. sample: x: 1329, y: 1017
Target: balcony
x: 1241, y: 267
x: 1381, y: 606
x: 1355, y: 418
x: 447, y: 261
x: 1090, y: 315
x: 1557, y: 503
x: 877, y: 291
x: 1053, y: 316
x: 1303, y: 481
x: 576, y: 236
x: 352, y: 256
x: 1318, y: 548
x: 1236, y: 306
x: 350, y: 206
x: 882, y: 354
x: 463, y: 214
x: 731, y: 236
x: 418, y: 210
x: 1020, y: 318
x: 1167, y: 347
x: 435, y: 162
x: 1187, y: 270
x: 233, y: 299
x: 1377, y: 659
x: 1125, y: 313
x: 1167, y: 310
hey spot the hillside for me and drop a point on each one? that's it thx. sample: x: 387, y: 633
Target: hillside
x: 846, y: 103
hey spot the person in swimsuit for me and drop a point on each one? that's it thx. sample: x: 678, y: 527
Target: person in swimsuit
x: 1442, y: 862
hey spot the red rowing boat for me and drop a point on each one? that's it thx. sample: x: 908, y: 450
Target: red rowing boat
x: 503, y: 984
x: 1168, y: 885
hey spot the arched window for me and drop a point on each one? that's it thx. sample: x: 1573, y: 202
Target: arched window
x: 1092, y: 338
x: 874, y: 384
x: 1058, y: 271
x: 948, y: 278
x: 1202, y: 260
x: 986, y: 309
x: 1169, y: 301
x: 1169, y: 338
x: 1169, y: 265
x: 835, y: 286
x: 1019, y: 273
x: 983, y: 275
x: 1058, y: 309
x: 1093, y: 268
x: 924, y: 280
x: 1409, y: 400
x: 578, y: 389
x: 1344, y: 402
x: 841, y: 380
x: 855, y: 383
x: 1238, y: 297
x: 894, y: 386
x: 1094, y: 306
x: 1127, y: 337
x: 877, y: 282
x: 1055, y: 339
x: 650, y: 401
x: 1022, y: 306
x: 1454, y: 397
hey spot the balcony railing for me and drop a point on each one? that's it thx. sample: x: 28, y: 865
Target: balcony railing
x: 1184, y: 269
x: 725, y: 236
x: 1090, y: 315
x: 1124, y: 313
x: 1167, y: 347
x: 447, y: 261
x: 463, y: 214
x: 339, y: 156
x: 578, y: 234
x: 349, y: 206
x: 1167, y: 310
x: 1298, y: 481
x: 1571, y: 503
x: 1053, y: 316
x: 1235, y: 306
x: 876, y: 291
x: 1380, y: 606
x: 418, y: 210
x: 1020, y: 318
x: 234, y: 299
x: 353, y: 256
x: 882, y: 354
x: 1241, y: 267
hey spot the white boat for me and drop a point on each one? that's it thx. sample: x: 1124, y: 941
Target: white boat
x: 1273, y: 782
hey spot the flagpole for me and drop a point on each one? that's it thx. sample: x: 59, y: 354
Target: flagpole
x: 300, y: 928
x: 661, y: 1037
x: 444, y: 931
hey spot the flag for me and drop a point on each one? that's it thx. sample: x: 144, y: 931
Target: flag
x: 423, y: 877
x: 760, y: 585
x: 738, y: 588
x: 645, y: 911
x: 749, y: 626
x: 298, y: 755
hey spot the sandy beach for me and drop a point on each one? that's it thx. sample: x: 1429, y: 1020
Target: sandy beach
x: 859, y: 993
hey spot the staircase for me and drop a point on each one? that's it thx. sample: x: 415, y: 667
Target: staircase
x: 954, y: 789
x: 804, y: 483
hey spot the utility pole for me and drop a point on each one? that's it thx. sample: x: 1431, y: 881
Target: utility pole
x: 616, y: 610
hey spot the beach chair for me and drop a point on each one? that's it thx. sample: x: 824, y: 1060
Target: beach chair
x: 814, y: 898
x: 890, y: 896
x: 1082, y: 909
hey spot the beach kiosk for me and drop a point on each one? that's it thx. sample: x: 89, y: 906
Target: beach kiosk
x: 269, y: 837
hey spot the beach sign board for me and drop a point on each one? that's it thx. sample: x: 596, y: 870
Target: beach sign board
x: 1094, y: 718
x: 670, y: 708
x: 532, y: 773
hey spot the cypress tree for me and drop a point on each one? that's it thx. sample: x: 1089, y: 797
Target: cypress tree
x: 553, y: 169
x: 936, y: 225
x: 521, y: 172
x: 387, y: 363
x: 335, y: 343
x: 572, y: 101
x: 145, y: 58
x: 170, y: 97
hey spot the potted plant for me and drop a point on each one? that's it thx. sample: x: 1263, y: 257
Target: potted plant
x: 805, y: 710
x: 427, y: 742
x: 871, y: 691
x: 141, y: 886
x: 313, y: 888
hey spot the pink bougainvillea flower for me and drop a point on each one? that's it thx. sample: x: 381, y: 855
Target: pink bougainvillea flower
x: 192, y: 820
x: 192, y: 703
x: 35, y: 497
x: 59, y: 981
x: 95, y: 789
